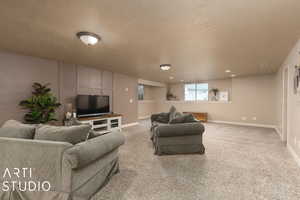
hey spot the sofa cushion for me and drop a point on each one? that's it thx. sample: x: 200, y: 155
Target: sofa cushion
x: 71, y: 134
x: 182, y: 129
x: 11, y: 132
x: 19, y: 129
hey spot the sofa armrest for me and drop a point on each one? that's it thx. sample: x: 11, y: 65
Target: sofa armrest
x: 91, y: 150
x: 43, y: 157
x: 183, y: 129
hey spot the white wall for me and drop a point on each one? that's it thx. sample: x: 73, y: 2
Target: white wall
x: 18, y: 73
x: 148, y: 106
x: 252, y: 96
x: 221, y: 84
x: 293, y: 132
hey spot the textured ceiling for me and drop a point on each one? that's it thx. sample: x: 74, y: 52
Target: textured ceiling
x: 200, y: 38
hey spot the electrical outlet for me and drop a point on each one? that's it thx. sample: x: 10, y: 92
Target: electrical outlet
x: 254, y: 118
x: 244, y: 118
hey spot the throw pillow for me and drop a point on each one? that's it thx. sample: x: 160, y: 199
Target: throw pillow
x: 11, y: 132
x: 178, y: 114
x: 189, y: 118
x: 71, y: 134
x: 92, y: 134
x: 172, y: 109
x: 172, y: 113
x: 25, y: 130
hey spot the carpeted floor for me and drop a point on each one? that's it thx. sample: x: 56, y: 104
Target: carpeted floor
x: 240, y: 163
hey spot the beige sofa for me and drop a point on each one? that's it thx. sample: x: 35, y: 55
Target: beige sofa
x: 75, y: 172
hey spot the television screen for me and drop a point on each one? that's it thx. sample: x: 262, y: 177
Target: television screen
x: 92, y: 105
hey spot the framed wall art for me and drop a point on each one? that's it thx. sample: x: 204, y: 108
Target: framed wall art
x: 297, y: 80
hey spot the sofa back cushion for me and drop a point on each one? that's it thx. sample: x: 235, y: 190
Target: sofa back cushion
x: 71, y: 134
x: 10, y: 132
x: 186, y: 118
x: 16, y: 129
x: 178, y: 120
x: 189, y: 118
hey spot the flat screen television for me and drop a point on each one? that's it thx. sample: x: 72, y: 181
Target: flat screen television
x: 92, y: 105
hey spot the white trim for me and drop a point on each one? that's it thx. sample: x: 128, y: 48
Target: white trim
x: 151, y: 83
x: 285, y: 127
x: 145, y: 117
x: 293, y: 153
x: 278, y: 132
x: 243, y: 124
x: 198, y: 102
x: 146, y: 101
x: 130, y: 124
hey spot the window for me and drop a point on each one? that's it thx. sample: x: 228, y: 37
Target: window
x: 140, y: 92
x: 190, y: 92
x: 196, y: 91
x: 202, y: 91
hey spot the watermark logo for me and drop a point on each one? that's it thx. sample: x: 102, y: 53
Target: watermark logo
x: 11, y: 183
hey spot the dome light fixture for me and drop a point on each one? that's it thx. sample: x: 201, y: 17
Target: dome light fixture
x: 165, y: 67
x: 88, y: 38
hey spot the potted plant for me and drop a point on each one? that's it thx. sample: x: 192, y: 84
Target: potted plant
x: 41, y: 106
x: 215, y: 92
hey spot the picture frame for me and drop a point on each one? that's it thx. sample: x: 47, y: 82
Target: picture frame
x: 297, y: 80
x: 224, y: 96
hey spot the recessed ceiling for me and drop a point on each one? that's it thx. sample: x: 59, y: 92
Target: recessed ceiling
x: 200, y: 38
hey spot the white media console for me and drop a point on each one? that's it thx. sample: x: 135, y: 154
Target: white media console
x: 105, y: 123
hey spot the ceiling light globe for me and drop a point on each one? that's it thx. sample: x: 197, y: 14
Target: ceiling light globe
x: 88, y: 38
x: 165, y: 67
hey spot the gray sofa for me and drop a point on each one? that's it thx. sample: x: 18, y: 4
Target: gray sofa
x: 174, y: 133
x: 75, y: 171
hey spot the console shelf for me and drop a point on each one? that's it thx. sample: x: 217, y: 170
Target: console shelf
x: 104, y: 124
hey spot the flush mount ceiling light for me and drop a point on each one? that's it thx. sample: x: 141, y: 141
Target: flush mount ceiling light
x: 88, y: 38
x: 165, y: 67
x: 228, y: 71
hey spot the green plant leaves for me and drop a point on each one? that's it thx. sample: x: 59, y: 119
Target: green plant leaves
x: 41, y: 106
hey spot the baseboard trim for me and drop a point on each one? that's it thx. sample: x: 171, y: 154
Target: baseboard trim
x: 278, y: 132
x: 145, y: 117
x: 243, y: 124
x: 293, y: 153
x: 130, y: 124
